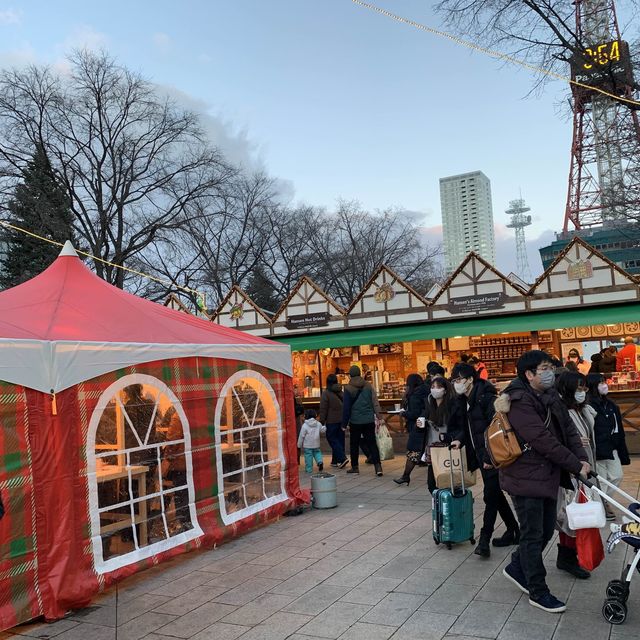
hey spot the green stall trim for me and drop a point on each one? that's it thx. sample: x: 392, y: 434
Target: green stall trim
x: 527, y: 321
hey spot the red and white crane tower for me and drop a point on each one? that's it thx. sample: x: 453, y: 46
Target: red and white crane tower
x: 604, y: 176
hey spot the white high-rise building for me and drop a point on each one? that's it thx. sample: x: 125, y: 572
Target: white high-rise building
x: 467, y: 218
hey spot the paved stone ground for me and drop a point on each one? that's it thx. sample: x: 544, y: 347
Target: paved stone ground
x: 367, y: 570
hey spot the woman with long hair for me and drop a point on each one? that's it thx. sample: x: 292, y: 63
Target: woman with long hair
x: 611, y: 447
x: 439, y: 403
x: 572, y: 388
x: 413, y: 408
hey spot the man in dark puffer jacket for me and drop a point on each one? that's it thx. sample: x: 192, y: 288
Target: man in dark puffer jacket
x: 552, y: 451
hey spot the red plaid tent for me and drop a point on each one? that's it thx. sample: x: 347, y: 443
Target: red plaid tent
x: 129, y: 432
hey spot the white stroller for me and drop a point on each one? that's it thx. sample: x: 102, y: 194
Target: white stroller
x: 614, y: 609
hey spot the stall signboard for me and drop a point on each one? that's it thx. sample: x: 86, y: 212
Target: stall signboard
x: 480, y: 302
x: 308, y: 320
x: 580, y: 270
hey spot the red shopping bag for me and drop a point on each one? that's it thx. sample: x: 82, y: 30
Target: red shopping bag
x: 589, y: 545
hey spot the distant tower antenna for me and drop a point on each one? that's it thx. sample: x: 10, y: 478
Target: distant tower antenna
x: 519, y: 220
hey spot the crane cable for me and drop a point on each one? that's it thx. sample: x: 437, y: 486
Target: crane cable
x: 199, y: 296
x: 490, y: 52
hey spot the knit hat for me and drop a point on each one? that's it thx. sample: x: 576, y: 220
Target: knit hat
x: 354, y: 371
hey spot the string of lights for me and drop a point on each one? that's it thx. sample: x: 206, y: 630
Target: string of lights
x: 199, y: 295
x: 490, y: 52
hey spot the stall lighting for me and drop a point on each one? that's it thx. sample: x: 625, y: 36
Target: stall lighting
x: 455, y: 337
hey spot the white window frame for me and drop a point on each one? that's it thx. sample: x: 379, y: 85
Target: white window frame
x: 230, y: 518
x: 104, y: 566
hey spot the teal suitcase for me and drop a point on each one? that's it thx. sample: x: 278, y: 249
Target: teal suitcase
x: 452, y: 513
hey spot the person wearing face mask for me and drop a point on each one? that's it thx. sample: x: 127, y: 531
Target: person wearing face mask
x: 433, y: 370
x: 552, y: 450
x: 572, y: 388
x: 470, y: 419
x: 611, y: 446
x: 440, y: 403
x: 414, y: 408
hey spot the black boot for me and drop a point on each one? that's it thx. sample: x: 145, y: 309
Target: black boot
x: 568, y: 561
x: 405, y: 478
x: 483, y: 549
x: 378, y: 467
x: 508, y: 538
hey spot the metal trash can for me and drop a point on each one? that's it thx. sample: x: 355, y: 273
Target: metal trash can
x: 324, y: 490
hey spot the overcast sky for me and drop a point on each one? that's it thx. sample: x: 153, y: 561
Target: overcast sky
x: 335, y: 100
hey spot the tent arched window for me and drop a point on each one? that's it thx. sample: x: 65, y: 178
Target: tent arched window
x: 249, y: 455
x: 141, y: 494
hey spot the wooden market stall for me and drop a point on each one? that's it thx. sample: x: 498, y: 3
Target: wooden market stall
x: 583, y: 301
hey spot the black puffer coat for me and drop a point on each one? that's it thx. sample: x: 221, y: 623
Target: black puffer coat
x: 542, y: 421
x: 415, y: 407
x: 609, y: 430
x: 469, y: 420
x: 331, y: 405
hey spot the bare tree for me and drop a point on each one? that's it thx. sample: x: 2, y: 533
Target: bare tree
x: 352, y: 244
x: 224, y: 240
x: 341, y: 250
x: 135, y: 165
x: 291, y: 253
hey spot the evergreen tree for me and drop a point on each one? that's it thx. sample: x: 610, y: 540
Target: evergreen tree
x: 261, y: 291
x: 39, y: 204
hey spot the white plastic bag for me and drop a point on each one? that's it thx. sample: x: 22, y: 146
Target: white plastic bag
x: 384, y: 441
x: 585, y: 515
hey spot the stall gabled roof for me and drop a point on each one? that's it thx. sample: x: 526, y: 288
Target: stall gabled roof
x: 238, y: 311
x: 486, y: 266
x: 558, y: 267
x: 317, y: 295
x: 396, y: 279
x: 67, y: 325
x: 237, y: 292
x: 173, y: 302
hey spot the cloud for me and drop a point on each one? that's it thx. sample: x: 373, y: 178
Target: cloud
x: 83, y: 36
x: 10, y: 16
x: 20, y: 57
x: 233, y: 141
x: 161, y: 41
x: 506, y: 249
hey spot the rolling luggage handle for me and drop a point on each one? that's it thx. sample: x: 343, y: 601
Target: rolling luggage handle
x: 450, y: 447
x: 606, y: 497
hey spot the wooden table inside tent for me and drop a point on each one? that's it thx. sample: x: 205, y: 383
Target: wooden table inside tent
x: 139, y: 475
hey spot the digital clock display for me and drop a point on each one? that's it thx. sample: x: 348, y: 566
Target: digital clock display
x: 605, y: 65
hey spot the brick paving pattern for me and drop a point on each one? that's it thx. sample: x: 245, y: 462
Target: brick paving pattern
x: 366, y: 570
